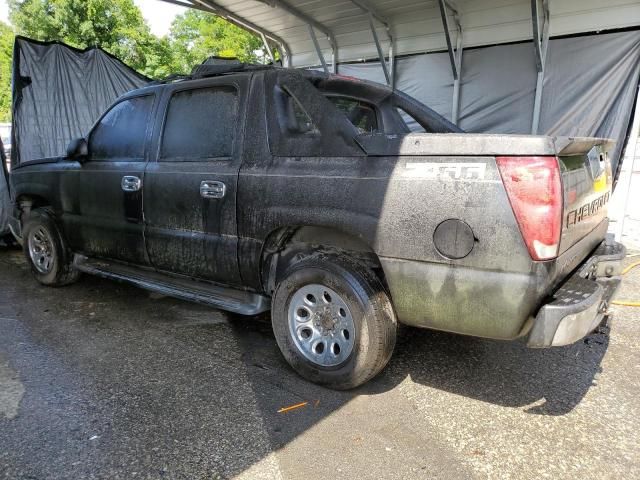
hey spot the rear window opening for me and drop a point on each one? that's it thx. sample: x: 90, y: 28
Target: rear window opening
x: 362, y: 115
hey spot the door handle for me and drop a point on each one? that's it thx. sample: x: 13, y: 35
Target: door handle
x: 131, y: 183
x: 212, y: 189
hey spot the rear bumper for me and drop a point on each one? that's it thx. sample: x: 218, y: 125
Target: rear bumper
x: 579, y: 305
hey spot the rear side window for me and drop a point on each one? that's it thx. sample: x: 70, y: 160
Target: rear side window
x: 200, y: 125
x: 121, y: 133
x: 361, y: 114
x: 292, y: 116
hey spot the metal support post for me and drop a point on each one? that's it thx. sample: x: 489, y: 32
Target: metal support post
x: 265, y: 43
x: 212, y: 7
x: 313, y: 24
x: 383, y: 62
x: 312, y: 34
x: 455, y: 56
x: 629, y: 157
x: 541, y: 44
x: 388, y: 70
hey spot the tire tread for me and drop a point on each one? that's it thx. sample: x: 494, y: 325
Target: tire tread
x: 378, y: 311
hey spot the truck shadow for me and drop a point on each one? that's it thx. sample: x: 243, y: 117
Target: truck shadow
x: 193, y: 387
x: 542, y: 381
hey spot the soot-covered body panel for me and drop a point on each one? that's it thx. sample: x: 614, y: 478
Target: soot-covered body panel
x: 240, y: 175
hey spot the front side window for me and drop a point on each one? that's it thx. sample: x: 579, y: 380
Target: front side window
x: 360, y: 114
x: 120, y: 135
x: 200, y: 125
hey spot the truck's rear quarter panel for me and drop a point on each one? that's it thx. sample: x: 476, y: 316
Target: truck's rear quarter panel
x: 395, y: 204
x: 395, y: 199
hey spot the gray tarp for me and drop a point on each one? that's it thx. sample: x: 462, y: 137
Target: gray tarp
x: 590, y: 85
x: 589, y: 88
x: 58, y: 94
x: 5, y: 201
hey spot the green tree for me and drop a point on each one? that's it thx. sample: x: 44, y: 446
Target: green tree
x: 117, y: 26
x: 6, y: 49
x: 197, y: 35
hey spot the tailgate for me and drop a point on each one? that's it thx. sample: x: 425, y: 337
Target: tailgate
x: 587, y: 182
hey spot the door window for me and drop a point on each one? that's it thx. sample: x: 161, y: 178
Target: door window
x: 200, y: 125
x: 120, y: 135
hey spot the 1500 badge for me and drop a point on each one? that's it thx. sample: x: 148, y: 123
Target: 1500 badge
x: 587, y: 210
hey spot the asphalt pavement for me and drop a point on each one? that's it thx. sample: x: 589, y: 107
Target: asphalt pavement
x: 103, y: 380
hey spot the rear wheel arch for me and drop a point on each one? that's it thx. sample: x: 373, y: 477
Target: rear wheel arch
x: 287, y: 245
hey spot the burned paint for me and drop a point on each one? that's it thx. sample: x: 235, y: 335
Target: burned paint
x: 383, y: 192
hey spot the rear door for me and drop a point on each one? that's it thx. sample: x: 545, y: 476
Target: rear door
x: 190, y: 188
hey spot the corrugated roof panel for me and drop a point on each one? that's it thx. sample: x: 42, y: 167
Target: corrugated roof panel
x: 417, y: 24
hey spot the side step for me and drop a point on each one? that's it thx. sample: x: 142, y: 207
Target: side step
x: 237, y: 301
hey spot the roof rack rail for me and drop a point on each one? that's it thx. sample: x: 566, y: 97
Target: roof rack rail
x: 175, y: 77
x: 214, y: 69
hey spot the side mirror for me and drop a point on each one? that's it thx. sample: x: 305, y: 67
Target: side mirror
x: 78, y: 149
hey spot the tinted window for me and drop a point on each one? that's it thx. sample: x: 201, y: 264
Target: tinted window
x: 360, y: 114
x: 292, y: 115
x: 120, y: 135
x: 200, y: 125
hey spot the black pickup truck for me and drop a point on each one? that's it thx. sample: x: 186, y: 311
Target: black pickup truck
x: 312, y: 195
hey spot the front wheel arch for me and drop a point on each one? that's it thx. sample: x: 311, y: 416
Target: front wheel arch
x: 62, y: 271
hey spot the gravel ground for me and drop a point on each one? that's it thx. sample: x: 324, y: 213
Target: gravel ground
x: 102, y: 380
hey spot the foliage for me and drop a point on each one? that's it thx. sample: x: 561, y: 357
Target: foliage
x: 196, y: 35
x: 6, y: 48
x: 118, y: 27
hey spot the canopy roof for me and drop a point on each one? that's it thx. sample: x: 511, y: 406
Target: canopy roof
x: 342, y: 28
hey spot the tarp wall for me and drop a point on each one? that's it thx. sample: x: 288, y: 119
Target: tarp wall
x: 589, y: 88
x: 5, y: 201
x: 59, y: 92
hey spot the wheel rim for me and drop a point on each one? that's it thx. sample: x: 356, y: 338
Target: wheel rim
x: 41, y: 250
x: 321, y: 325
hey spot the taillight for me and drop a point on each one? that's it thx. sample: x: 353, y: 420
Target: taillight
x: 535, y: 192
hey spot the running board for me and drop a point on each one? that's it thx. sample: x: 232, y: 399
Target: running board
x: 225, y: 298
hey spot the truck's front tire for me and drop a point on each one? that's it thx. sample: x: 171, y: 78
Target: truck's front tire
x: 333, y: 321
x: 45, y: 250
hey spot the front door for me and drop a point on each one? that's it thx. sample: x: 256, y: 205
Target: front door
x: 190, y: 190
x: 105, y: 219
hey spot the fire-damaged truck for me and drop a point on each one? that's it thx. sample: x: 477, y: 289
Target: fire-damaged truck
x: 343, y: 207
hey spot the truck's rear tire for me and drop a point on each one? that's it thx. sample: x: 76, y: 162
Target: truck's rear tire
x: 45, y: 250
x: 333, y: 321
